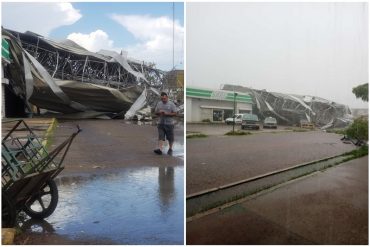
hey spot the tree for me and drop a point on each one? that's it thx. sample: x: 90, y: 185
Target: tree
x: 359, y: 129
x: 362, y: 91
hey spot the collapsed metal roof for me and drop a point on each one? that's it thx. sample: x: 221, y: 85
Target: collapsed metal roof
x: 67, y: 60
x: 64, y: 77
x: 291, y: 109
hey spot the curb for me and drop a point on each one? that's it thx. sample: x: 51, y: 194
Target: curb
x: 214, y: 198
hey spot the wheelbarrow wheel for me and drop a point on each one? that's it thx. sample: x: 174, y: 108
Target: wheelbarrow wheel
x: 8, y: 212
x: 43, y: 203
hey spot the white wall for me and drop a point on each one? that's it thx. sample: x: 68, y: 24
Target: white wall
x: 243, y: 106
x: 189, y: 110
x: 201, y: 109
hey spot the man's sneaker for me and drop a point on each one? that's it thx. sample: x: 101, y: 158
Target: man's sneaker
x: 169, y: 152
x: 158, y: 151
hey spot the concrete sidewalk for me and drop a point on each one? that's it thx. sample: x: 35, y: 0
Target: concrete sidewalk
x: 329, y: 207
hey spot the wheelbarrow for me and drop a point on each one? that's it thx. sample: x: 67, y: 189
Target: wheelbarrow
x: 28, y: 172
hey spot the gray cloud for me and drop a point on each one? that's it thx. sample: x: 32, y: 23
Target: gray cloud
x: 316, y: 49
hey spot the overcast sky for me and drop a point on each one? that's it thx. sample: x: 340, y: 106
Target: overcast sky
x: 318, y: 49
x: 144, y: 30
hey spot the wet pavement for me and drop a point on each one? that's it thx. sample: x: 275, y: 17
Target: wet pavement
x: 38, y: 126
x: 329, y: 207
x: 218, y: 160
x: 114, y: 189
x: 105, y: 145
x: 134, y: 206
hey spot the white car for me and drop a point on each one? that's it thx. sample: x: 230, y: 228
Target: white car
x: 238, y: 119
x: 270, y: 122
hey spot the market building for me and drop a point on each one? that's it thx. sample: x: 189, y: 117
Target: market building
x: 209, y: 105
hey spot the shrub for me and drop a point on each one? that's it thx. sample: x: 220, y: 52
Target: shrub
x: 238, y: 133
x: 196, y: 135
x: 336, y: 131
x: 359, y: 129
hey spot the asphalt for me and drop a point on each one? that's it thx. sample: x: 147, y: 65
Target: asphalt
x: 116, y: 162
x: 329, y: 207
x: 218, y: 160
x: 105, y: 145
x: 37, y: 125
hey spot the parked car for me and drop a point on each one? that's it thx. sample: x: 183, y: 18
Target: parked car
x: 238, y: 119
x: 250, y: 121
x: 270, y: 122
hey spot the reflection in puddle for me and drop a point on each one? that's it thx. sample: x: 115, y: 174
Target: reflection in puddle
x: 38, y: 226
x: 178, y: 149
x: 136, y: 206
x: 178, y: 146
x: 166, y: 186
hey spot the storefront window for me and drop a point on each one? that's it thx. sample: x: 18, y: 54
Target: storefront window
x: 217, y: 115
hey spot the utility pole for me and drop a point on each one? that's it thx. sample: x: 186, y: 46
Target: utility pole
x: 173, y: 35
x: 235, y: 94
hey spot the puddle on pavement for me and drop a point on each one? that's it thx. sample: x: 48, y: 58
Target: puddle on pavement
x: 178, y: 146
x: 178, y: 149
x: 135, y: 206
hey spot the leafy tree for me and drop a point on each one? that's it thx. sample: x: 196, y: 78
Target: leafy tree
x: 362, y: 91
x: 359, y: 129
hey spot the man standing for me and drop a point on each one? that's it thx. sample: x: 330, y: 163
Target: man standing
x: 166, y: 110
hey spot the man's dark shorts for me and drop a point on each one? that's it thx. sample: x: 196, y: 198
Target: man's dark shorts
x: 166, y: 131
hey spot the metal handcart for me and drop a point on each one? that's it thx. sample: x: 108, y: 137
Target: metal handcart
x: 28, y: 172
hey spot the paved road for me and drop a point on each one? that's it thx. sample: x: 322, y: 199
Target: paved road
x: 111, y: 144
x: 37, y: 125
x: 112, y: 179
x: 217, y: 160
x: 329, y: 207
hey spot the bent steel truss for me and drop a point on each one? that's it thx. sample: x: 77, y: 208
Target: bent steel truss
x: 66, y: 78
x: 68, y: 61
x: 291, y: 109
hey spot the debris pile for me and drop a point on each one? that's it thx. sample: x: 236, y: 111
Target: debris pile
x: 63, y: 77
x: 291, y: 109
